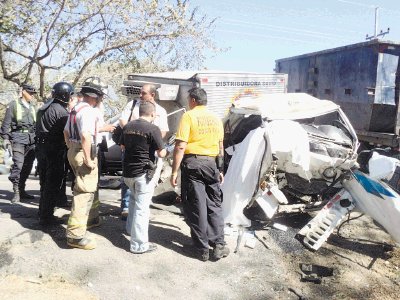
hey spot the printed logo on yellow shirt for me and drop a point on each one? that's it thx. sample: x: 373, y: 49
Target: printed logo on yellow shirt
x: 207, y: 125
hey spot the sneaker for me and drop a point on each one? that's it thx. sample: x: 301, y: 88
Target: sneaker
x: 124, y: 214
x: 64, y: 204
x: 24, y: 195
x: 83, y: 243
x: 220, y: 251
x: 204, y: 255
x: 200, y: 254
x: 151, y: 248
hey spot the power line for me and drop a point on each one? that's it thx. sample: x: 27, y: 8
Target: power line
x: 284, y: 29
x: 356, y: 3
x: 392, y: 11
x: 273, y: 37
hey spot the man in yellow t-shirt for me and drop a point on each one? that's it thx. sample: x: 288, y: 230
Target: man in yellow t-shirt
x: 199, y: 153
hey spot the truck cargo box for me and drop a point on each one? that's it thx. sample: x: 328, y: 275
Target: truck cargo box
x: 362, y: 78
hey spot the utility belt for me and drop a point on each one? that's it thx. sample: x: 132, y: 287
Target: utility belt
x: 23, y: 130
x: 197, y: 156
x: 47, y: 140
x: 78, y: 147
x: 41, y: 140
x: 219, y: 160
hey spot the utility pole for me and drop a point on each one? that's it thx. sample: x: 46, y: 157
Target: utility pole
x: 376, y: 34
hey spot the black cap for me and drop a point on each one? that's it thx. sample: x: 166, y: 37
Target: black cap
x: 92, y: 92
x: 29, y: 88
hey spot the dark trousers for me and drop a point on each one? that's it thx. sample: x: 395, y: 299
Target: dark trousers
x: 63, y: 194
x: 201, y: 199
x: 23, y: 157
x: 51, y: 167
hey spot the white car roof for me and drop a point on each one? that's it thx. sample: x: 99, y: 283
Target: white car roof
x: 284, y: 106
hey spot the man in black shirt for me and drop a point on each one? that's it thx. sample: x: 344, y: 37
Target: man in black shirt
x: 51, y: 150
x: 140, y: 141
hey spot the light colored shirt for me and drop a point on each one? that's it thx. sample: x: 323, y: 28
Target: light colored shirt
x: 100, y: 123
x: 87, y: 118
x: 161, y: 120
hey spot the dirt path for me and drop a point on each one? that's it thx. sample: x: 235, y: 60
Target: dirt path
x: 37, y: 264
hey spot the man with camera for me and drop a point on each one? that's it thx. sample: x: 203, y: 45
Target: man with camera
x: 131, y: 112
x: 140, y: 141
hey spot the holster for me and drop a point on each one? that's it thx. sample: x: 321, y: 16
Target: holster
x: 150, y: 169
x: 93, y: 151
x: 103, y: 145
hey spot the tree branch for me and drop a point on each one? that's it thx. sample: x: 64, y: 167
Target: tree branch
x: 9, y: 49
x: 72, y: 26
x: 33, y: 60
x: 49, y: 29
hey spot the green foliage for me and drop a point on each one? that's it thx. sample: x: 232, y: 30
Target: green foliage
x: 65, y: 35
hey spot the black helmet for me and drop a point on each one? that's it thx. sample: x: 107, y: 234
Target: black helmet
x: 29, y: 88
x: 62, y: 91
x: 93, y: 87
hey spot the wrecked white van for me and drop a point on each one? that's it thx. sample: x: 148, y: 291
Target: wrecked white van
x: 296, y: 153
x: 287, y: 152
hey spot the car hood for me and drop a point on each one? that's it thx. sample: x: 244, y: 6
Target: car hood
x: 289, y: 106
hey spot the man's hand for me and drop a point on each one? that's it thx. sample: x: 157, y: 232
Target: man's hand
x: 90, y: 163
x: 221, y: 178
x: 6, y: 144
x: 173, y: 180
x: 108, y: 128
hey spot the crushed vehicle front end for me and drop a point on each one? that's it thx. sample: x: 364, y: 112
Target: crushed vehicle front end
x: 298, y: 147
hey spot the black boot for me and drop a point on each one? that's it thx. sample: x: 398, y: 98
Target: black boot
x: 23, y: 194
x: 16, y: 198
x: 50, y: 220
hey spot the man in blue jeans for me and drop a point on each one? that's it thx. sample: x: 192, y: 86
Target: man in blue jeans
x: 140, y: 141
x: 130, y: 113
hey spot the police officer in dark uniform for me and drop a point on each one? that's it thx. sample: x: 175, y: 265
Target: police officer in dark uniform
x: 51, y: 150
x: 18, y: 133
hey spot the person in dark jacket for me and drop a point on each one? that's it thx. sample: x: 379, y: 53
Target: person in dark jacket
x: 51, y: 151
x: 18, y: 133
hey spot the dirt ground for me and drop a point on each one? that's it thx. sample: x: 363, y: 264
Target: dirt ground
x: 36, y: 263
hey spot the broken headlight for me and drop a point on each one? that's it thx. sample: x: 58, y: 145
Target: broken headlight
x: 329, y: 173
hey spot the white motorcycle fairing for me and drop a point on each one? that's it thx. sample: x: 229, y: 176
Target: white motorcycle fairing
x: 376, y: 199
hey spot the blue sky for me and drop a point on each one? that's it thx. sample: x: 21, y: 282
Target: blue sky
x: 258, y: 32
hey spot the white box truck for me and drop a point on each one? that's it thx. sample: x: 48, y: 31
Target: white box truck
x: 222, y: 88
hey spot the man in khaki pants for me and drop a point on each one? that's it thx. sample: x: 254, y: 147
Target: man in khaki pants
x: 80, y: 136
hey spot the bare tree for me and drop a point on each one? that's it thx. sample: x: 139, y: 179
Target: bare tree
x: 42, y: 35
